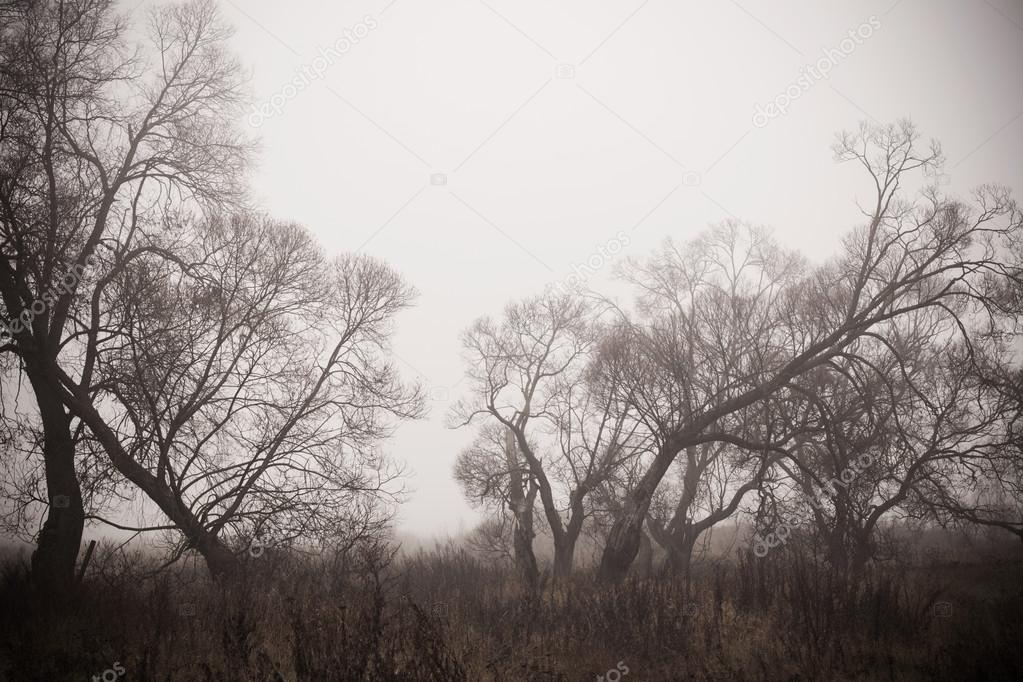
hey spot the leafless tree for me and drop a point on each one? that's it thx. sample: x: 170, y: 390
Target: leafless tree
x: 979, y: 482
x: 92, y: 132
x: 532, y: 374
x: 707, y: 315
x: 239, y: 379
x: 735, y: 328
x: 714, y: 478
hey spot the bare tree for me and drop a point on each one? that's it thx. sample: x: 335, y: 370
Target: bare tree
x: 89, y: 130
x: 827, y: 485
x: 237, y: 377
x: 714, y: 479
x: 708, y: 314
x: 532, y: 374
x: 976, y: 473
x: 737, y: 327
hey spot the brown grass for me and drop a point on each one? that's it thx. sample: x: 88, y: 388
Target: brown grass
x: 446, y: 615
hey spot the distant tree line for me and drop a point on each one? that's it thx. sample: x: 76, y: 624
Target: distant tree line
x: 880, y: 384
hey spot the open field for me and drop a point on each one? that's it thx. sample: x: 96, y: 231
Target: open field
x: 444, y: 615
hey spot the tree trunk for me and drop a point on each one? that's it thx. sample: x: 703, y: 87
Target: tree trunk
x: 838, y: 556
x: 525, y: 559
x: 220, y: 561
x: 566, y: 540
x: 679, y: 557
x: 642, y: 567
x: 623, y: 540
x: 862, y: 552
x: 564, y: 551
x: 53, y: 561
x: 672, y: 560
x: 622, y: 545
x: 522, y: 502
x: 685, y: 553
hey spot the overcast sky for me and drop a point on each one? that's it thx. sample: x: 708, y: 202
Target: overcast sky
x: 484, y: 148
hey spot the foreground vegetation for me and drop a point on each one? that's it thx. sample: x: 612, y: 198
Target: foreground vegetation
x: 447, y: 615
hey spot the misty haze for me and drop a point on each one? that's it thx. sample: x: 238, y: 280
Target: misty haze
x: 478, y: 340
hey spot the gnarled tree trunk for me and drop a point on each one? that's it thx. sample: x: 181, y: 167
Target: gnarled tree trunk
x: 53, y: 561
x: 522, y: 511
x: 624, y: 538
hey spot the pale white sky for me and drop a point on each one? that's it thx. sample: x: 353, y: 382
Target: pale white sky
x: 559, y: 124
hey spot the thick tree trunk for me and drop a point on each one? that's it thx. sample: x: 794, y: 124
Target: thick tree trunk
x: 624, y: 538
x: 522, y: 502
x: 220, y: 561
x: 53, y: 561
x: 679, y: 557
x: 622, y: 545
x: 566, y: 540
x: 685, y: 554
x: 564, y: 553
x: 55, y: 557
x: 838, y: 556
x: 861, y: 554
x: 525, y: 558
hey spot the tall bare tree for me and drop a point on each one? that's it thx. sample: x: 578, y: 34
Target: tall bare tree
x: 93, y: 130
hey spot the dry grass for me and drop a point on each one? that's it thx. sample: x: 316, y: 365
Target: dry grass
x: 445, y: 615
